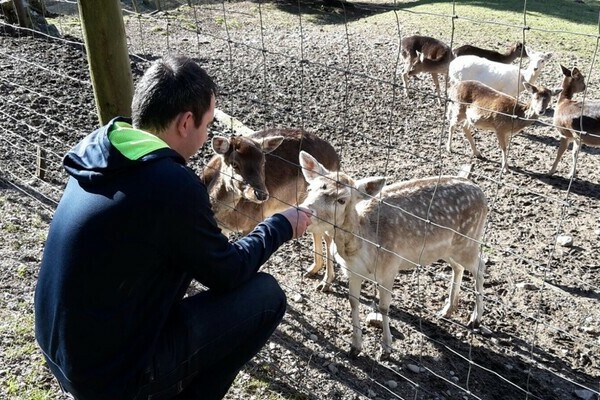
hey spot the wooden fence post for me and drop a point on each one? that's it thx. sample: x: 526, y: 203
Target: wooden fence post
x: 108, y: 57
x: 22, y: 14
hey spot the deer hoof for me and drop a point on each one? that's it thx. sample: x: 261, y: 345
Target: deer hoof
x: 353, y: 353
x: 384, y: 355
x: 474, y: 324
x: 310, y: 274
x: 323, y: 287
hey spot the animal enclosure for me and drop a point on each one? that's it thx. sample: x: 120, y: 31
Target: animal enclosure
x: 335, y: 69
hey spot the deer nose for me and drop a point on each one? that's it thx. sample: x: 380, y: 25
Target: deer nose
x: 260, y: 195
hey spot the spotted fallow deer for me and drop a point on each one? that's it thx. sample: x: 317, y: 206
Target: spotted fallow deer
x: 380, y: 230
x: 576, y: 121
x: 254, y: 176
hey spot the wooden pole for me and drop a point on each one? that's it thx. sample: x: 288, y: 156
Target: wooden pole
x: 108, y: 57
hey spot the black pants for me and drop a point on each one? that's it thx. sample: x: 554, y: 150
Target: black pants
x: 206, y: 342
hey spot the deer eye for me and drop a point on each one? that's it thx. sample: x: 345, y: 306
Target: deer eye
x: 341, y: 201
x: 236, y: 166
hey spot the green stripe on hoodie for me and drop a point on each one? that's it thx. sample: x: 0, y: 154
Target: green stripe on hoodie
x: 133, y: 143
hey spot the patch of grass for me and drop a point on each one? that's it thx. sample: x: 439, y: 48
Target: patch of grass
x: 232, y: 23
x: 9, y: 227
x: 22, y: 271
x: 30, y: 379
x: 67, y: 24
x: 568, y: 29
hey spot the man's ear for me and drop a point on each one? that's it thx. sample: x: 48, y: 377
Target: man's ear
x: 185, y: 123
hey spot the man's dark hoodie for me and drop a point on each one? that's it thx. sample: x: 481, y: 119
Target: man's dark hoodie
x: 133, y: 226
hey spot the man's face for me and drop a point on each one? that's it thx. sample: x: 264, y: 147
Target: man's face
x: 198, y: 136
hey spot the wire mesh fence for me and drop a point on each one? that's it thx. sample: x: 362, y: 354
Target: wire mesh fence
x: 334, y: 68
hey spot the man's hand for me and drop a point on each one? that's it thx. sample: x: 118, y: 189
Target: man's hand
x: 299, y: 219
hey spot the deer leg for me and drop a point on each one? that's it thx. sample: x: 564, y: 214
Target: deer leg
x: 329, y: 272
x: 562, y: 146
x: 385, y: 298
x: 469, y: 135
x: 503, y: 142
x: 405, y: 81
x: 456, y: 116
x: 452, y: 302
x: 354, y: 284
x: 574, y: 153
x: 436, y: 82
x: 318, y: 255
x: 475, y: 320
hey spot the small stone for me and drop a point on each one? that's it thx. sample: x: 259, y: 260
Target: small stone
x: 313, y: 337
x: 414, y: 368
x: 485, y: 331
x: 526, y: 286
x: 332, y: 368
x: 375, y: 319
x: 392, y: 384
x: 297, y: 298
x: 564, y: 240
x: 584, y: 394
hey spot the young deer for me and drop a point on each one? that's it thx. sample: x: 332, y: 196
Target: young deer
x: 380, y: 230
x: 512, y: 53
x: 252, y: 177
x: 475, y: 105
x: 506, y: 78
x: 576, y: 121
x: 425, y: 54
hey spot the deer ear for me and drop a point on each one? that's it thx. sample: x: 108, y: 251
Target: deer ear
x: 530, y: 88
x: 271, y: 143
x: 369, y: 187
x: 556, y: 91
x: 220, y: 144
x: 311, y: 168
x: 565, y: 70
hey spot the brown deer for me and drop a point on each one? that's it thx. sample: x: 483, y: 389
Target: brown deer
x: 576, y: 121
x: 380, y: 230
x: 255, y: 176
x: 475, y: 105
x: 425, y: 54
x: 512, y: 53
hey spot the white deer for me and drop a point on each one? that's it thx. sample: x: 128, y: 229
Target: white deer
x: 506, y: 78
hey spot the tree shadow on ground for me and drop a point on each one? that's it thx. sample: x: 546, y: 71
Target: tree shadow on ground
x: 339, y: 11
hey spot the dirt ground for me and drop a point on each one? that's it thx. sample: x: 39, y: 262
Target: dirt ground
x: 542, y: 315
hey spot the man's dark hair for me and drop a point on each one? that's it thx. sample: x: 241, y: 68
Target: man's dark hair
x: 172, y: 85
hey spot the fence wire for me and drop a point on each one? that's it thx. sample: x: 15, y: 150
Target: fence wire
x: 333, y: 68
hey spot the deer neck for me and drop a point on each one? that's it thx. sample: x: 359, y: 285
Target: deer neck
x: 530, y: 113
x: 530, y: 75
x: 345, y: 236
x: 221, y: 192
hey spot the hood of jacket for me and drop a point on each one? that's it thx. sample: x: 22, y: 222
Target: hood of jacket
x: 113, y: 148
